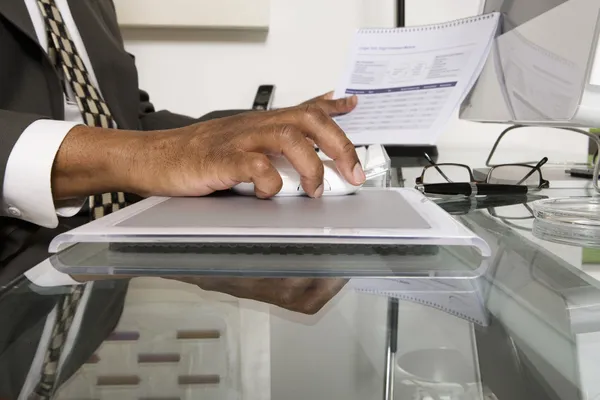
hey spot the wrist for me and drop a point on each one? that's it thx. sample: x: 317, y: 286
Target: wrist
x: 95, y: 160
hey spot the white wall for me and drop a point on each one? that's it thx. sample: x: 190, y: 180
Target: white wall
x: 420, y: 12
x: 194, y: 72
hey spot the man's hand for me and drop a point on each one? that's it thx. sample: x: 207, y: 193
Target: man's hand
x: 209, y: 156
x: 304, y: 295
x: 334, y: 107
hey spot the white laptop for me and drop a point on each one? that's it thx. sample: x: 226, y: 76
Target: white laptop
x: 372, y: 216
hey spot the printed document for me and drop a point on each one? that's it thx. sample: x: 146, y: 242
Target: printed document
x: 410, y: 81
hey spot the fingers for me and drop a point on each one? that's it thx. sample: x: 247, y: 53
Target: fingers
x: 326, y: 96
x: 282, y: 292
x: 285, y: 132
x: 330, y: 138
x: 304, y: 295
x: 339, y: 106
x: 334, y: 107
x: 288, y: 291
x: 257, y: 168
x: 291, y: 142
x: 309, y: 121
x: 305, y: 160
x: 318, y: 294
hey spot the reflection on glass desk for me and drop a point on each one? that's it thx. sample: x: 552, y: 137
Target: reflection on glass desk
x: 523, y: 325
x: 284, y: 260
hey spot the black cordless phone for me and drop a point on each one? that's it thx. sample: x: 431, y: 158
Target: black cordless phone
x: 587, y: 173
x: 264, y: 97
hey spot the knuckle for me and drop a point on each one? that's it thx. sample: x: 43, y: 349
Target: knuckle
x: 287, y: 299
x: 307, y: 107
x: 261, y: 165
x: 315, y: 114
x: 315, y: 168
x: 348, y: 148
x: 290, y: 133
x: 277, y: 187
x: 308, y: 308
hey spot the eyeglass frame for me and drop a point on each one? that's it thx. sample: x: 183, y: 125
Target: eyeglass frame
x: 595, y: 138
x: 508, y: 220
x: 544, y: 184
x: 493, y: 213
x: 466, y: 205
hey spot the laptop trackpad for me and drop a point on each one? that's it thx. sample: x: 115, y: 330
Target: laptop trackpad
x: 376, y: 209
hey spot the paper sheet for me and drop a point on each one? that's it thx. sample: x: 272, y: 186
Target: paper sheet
x: 411, y: 80
x: 463, y: 298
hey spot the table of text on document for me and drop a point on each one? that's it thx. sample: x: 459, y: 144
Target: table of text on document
x: 400, y: 108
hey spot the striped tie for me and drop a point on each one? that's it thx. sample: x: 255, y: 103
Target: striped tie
x: 94, y: 110
x: 65, y: 312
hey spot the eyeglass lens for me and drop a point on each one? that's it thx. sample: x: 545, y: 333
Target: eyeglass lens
x: 518, y: 212
x: 446, y: 173
x: 508, y: 175
x: 515, y: 175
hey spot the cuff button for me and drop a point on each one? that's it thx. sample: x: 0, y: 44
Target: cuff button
x: 14, y: 211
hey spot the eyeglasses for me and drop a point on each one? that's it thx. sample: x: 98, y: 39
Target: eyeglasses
x: 593, y: 137
x: 509, y: 174
x: 463, y: 206
x: 517, y: 217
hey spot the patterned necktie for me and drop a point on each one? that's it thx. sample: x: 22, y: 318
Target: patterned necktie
x: 95, y: 112
x: 66, y: 308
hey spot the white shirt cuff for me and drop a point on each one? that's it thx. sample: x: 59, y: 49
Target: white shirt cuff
x: 27, y: 180
x: 68, y: 208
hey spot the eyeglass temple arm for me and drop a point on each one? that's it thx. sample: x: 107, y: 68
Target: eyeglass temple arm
x: 436, y: 167
x: 534, y: 169
x: 590, y: 135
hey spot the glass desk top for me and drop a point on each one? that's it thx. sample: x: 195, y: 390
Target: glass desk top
x: 523, y: 324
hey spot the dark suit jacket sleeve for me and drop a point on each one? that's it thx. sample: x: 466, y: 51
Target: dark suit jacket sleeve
x: 22, y: 318
x: 23, y: 314
x: 150, y: 119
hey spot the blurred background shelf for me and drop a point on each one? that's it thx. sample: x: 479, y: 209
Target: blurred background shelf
x: 203, y: 14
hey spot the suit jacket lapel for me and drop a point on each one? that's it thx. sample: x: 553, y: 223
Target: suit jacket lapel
x: 16, y: 12
x: 87, y: 16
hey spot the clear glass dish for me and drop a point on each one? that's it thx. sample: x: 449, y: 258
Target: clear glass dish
x: 575, y: 211
x: 574, y: 235
x: 574, y: 220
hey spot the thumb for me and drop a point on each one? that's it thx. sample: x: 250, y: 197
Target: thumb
x: 326, y: 96
x: 338, y: 106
